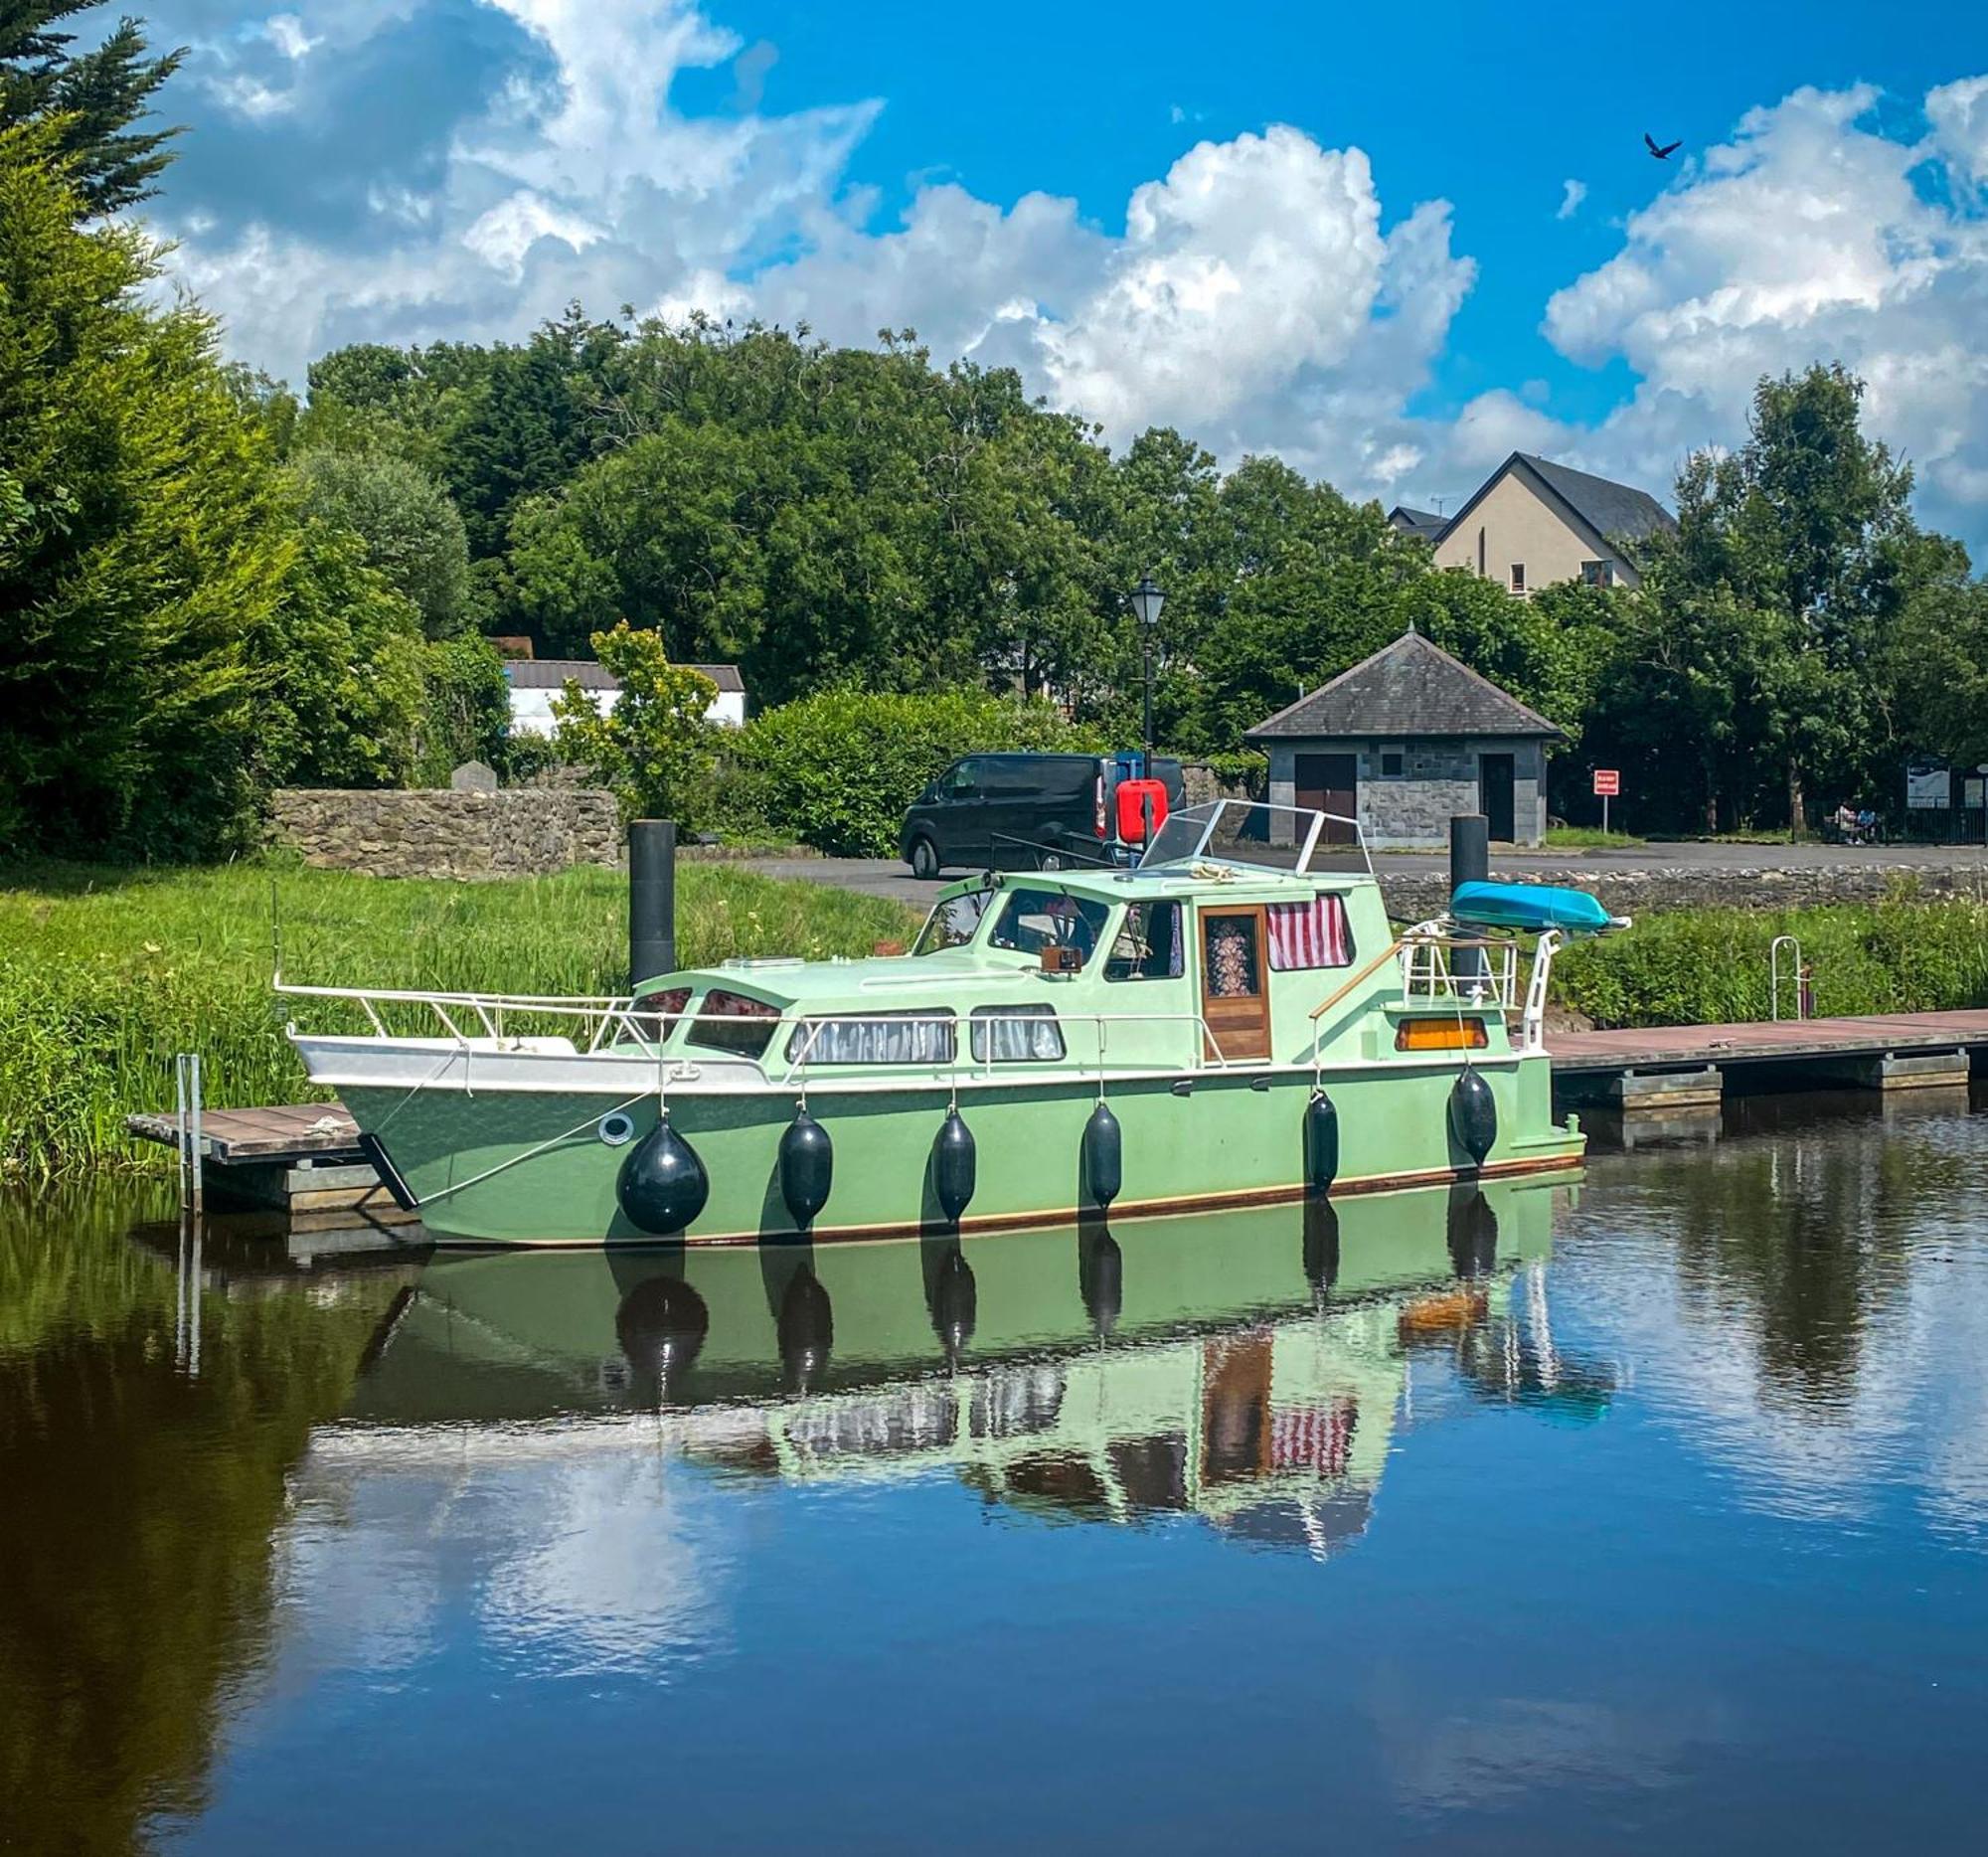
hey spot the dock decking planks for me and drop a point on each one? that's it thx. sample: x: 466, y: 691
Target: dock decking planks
x: 1575, y: 1053
x: 292, y: 1130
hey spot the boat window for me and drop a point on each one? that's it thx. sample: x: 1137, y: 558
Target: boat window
x: 910, y: 1037
x: 1148, y: 943
x: 953, y: 923
x: 1033, y: 919
x: 734, y: 1022
x: 657, y: 1015
x: 1314, y: 933
x: 1016, y: 1035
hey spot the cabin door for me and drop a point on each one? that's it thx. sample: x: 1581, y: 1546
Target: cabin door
x: 1494, y: 795
x: 1329, y: 784
x: 1235, y: 985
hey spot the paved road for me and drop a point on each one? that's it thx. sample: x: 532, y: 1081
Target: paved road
x: 886, y: 877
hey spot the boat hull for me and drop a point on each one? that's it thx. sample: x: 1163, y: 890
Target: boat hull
x: 507, y: 1162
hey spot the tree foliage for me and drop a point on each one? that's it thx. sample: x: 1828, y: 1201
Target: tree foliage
x: 836, y: 771
x: 90, y: 99
x: 413, y: 533
x: 143, y: 546
x: 654, y: 746
x: 1762, y: 657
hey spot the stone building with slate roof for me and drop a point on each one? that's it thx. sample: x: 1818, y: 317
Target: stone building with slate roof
x: 1533, y: 522
x: 1405, y: 739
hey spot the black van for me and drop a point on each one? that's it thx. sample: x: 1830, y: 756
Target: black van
x: 1024, y: 812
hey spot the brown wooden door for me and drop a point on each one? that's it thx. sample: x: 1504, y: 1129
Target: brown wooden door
x: 1235, y: 982
x: 1330, y: 783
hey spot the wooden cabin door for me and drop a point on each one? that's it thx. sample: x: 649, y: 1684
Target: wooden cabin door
x: 1235, y: 982
x: 1329, y: 784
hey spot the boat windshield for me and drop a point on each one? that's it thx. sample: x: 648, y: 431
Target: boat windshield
x: 953, y: 922
x: 1033, y: 919
x: 1275, y: 838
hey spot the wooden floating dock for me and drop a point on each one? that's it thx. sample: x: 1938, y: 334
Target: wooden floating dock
x: 1683, y: 1067
x: 302, y: 1160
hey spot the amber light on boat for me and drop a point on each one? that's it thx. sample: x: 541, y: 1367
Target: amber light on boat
x: 1441, y: 1034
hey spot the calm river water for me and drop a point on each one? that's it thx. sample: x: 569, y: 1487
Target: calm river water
x: 1647, y: 1515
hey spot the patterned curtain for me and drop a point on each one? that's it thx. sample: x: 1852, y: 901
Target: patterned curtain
x: 1309, y: 935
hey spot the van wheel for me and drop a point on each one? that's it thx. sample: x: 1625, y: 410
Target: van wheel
x: 925, y: 858
x: 1048, y: 860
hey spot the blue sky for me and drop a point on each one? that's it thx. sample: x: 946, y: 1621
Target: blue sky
x: 1346, y: 236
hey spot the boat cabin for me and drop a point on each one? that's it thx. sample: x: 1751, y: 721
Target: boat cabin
x: 1218, y: 951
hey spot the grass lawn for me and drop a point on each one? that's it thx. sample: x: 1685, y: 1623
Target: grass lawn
x: 105, y: 973
x: 1589, y: 838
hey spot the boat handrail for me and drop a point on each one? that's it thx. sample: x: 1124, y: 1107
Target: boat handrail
x: 1434, y: 979
x: 625, y: 1015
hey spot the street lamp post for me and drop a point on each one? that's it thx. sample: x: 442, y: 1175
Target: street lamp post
x: 1146, y: 602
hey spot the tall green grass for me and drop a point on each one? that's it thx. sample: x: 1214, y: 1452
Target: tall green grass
x: 105, y: 973
x: 1711, y: 966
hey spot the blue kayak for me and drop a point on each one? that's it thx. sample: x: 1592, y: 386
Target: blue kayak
x: 1531, y: 907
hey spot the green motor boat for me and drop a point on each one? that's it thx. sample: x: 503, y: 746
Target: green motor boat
x: 1236, y: 1021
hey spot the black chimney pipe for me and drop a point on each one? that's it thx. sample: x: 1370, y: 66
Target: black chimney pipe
x: 652, y: 899
x: 1469, y: 863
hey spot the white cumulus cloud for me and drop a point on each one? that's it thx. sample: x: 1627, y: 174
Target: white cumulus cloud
x: 1809, y: 236
x: 1261, y: 294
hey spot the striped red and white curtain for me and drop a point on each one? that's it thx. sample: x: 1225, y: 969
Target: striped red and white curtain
x: 1309, y: 935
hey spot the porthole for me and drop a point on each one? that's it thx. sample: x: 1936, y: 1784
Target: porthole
x: 617, y: 1130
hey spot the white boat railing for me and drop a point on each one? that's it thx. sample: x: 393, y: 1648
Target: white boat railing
x: 605, y: 1021
x: 1430, y: 977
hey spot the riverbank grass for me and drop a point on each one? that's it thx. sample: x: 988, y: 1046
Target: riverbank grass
x: 105, y: 973
x: 1711, y: 966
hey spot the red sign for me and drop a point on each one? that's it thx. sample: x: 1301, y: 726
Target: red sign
x: 1607, y: 782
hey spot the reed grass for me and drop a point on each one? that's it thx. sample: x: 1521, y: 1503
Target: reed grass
x: 1711, y: 966
x: 105, y: 973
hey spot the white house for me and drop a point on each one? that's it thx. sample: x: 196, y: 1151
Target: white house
x: 536, y: 681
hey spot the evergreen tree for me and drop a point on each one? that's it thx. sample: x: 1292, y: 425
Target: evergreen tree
x: 95, y: 97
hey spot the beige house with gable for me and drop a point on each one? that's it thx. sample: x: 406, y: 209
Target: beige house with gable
x: 1533, y: 522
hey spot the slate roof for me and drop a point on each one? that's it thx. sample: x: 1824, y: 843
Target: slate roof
x: 1422, y: 522
x: 1408, y: 688
x: 1614, y: 512
x: 551, y: 674
x: 1618, y: 510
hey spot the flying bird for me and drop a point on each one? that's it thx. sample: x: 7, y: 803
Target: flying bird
x: 1664, y: 153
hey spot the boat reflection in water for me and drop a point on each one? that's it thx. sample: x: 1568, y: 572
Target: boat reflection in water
x: 1246, y: 1367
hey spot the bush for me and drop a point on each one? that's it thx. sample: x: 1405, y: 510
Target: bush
x: 837, y: 771
x: 1710, y: 967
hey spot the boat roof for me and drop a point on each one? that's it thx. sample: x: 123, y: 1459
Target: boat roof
x: 1214, y: 878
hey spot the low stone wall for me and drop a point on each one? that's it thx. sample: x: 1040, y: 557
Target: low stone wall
x: 1201, y: 783
x: 1413, y: 895
x: 521, y: 831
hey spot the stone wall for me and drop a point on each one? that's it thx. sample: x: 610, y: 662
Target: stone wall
x: 1201, y: 783
x: 1438, y: 778
x: 1413, y: 895
x: 523, y: 831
